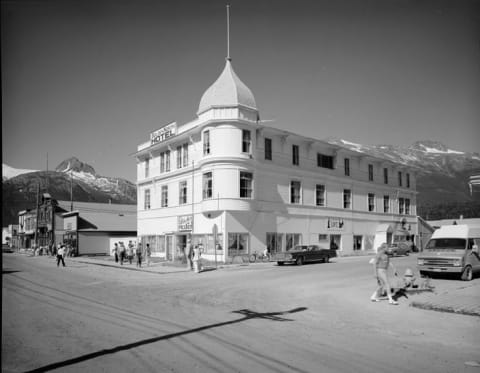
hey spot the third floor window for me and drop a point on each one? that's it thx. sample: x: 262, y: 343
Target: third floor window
x: 295, y: 155
x: 246, y: 141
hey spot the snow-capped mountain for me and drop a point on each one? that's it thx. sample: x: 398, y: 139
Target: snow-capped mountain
x: 9, y: 172
x: 426, y: 156
x: 71, y: 175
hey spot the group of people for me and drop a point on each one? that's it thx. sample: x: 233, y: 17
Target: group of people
x: 193, y: 254
x: 122, y: 253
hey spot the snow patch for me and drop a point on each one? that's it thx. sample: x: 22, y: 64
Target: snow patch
x: 9, y: 172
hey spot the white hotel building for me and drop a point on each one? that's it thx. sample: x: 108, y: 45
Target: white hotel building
x: 259, y: 186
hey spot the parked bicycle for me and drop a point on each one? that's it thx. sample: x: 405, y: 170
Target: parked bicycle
x: 259, y: 257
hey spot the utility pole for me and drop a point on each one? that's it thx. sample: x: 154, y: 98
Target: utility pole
x: 71, y: 191
x: 37, y: 213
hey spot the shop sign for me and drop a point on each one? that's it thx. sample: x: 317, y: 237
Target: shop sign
x: 185, y: 222
x: 70, y: 223
x: 335, y: 224
x: 163, y: 133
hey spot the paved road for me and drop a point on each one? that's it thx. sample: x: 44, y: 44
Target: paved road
x: 259, y: 318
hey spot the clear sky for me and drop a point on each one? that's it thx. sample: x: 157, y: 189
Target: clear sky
x: 92, y: 79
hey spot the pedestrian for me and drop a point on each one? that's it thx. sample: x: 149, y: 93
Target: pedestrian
x: 138, y: 253
x: 381, y: 262
x: 197, y: 265
x: 189, y: 254
x: 115, y: 251
x: 60, y: 255
x: 130, y: 252
x: 148, y: 254
x: 122, y: 252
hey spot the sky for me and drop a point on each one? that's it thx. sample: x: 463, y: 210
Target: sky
x: 92, y: 79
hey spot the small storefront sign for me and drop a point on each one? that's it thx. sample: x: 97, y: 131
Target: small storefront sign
x: 163, y: 133
x: 70, y: 223
x: 185, y: 222
x: 335, y: 224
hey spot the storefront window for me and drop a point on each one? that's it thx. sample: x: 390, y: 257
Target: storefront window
x: 292, y: 239
x: 237, y: 243
x: 274, y: 242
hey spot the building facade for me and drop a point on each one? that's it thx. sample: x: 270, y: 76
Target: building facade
x: 237, y: 186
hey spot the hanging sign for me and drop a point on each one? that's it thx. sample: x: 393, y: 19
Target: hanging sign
x: 163, y: 133
x: 185, y: 222
x: 335, y: 224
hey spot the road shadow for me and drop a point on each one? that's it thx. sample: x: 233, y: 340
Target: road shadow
x: 246, y: 313
x: 6, y: 271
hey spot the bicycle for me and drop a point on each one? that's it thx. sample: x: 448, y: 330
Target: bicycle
x: 259, y: 257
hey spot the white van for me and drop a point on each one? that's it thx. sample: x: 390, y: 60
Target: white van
x: 452, y: 249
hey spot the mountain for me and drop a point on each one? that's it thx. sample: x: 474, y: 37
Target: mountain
x: 20, y: 192
x: 9, y: 172
x: 442, y: 175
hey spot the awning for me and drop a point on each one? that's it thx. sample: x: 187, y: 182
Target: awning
x: 384, y: 228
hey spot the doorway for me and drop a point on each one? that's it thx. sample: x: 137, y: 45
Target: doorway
x: 335, y: 240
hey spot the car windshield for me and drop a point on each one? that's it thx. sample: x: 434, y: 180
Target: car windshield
x: 446, y: 244
x: 298, y: 248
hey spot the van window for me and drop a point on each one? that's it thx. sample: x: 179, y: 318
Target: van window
x: 446, y: 244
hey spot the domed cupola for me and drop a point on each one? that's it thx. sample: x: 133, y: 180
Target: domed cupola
x: 227, y: 91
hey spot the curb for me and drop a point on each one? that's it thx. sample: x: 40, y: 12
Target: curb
x: 448, y: 309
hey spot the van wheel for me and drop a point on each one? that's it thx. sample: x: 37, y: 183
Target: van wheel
x: 280, y: 263
x: 299, y: 261
x: 467, y: 274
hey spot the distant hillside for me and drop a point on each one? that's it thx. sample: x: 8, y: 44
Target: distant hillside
x: 20, y: 192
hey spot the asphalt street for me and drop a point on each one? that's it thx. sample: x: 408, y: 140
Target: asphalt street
x: 255, y: 318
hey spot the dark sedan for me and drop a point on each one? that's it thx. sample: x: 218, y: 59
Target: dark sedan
x: 305, y: 253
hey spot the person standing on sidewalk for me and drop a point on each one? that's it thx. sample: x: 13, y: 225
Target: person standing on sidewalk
x: 122, y: 252
x: 130, y: 252
x: 148, y: 254
x: 381, y: 262
x: 60, y: 255
x: 189, y: 254
x: 138, y: 253
x: 115, y: 252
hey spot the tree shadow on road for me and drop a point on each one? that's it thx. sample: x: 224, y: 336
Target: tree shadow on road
x: 246, y: 313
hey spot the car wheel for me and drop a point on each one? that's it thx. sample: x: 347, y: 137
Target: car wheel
x: 467, y: 274
x: 299, y: 261
x: 280, y: 263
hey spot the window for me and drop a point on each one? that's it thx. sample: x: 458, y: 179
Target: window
x: 295, y: 191
x: 371, y: 202
x: 182, y: 156
x: 246, y: 141
x: 385, y: 175
x: 206, y: 142
x: 182, y: 193
x: 408, y: 180
x: 399, y: 178
x: 401, y: 205
x: 346, y: 163
x: 268, y: 149
x: 386, y: 204
x: 146, y: 200
x: 164, y: 202
x: 357, y: 243
x: 325, y: 161
x: 207, y: 185
x: 246, y: 183
x: 320, y: 195
x: 295, y: 155
x: 165, y: 161
x: 370, y: 172
x: 407, y: 206
x: 292, y: 239
x: 147, y: 167
x: 237, y: 244
x: 347, y: 198
x: 274, y: 242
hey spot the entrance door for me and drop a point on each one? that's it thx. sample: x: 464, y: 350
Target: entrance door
x: 181, y: 245
x: 335, y: 241
x: 169, y: 247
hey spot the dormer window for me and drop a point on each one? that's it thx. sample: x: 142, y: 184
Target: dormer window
x: 206, y: 142
x: 246, y: 141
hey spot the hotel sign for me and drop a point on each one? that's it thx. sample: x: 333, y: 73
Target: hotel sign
x: 185, y: 222
x: 335, y: 224
x: 163, y: 133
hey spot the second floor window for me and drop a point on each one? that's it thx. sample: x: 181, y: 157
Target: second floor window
x: 325, y: 161
x: 371, y: 202
x: 147, y: 167
x: 407, y: 206
x: 347, y: 166
x: 182, y: 193
x: 206, y: 142
x: 401, y: 206
x: 370, y: 172
x: 164, y: 201
x: 207, y: 185
x: 246, y: 184
x: 295, y: 155
x: 385, y: 175
x: 165, y: 161
x: 146, y: 199
x: 399, y: 178
x: 320, y: 195
x: 246, y: 141
x: 408, y: 180
x: 268, y: 149
x: 295, y: 191
x: 347, y: 199
x: 386, y: 204
x: 182, y: 156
